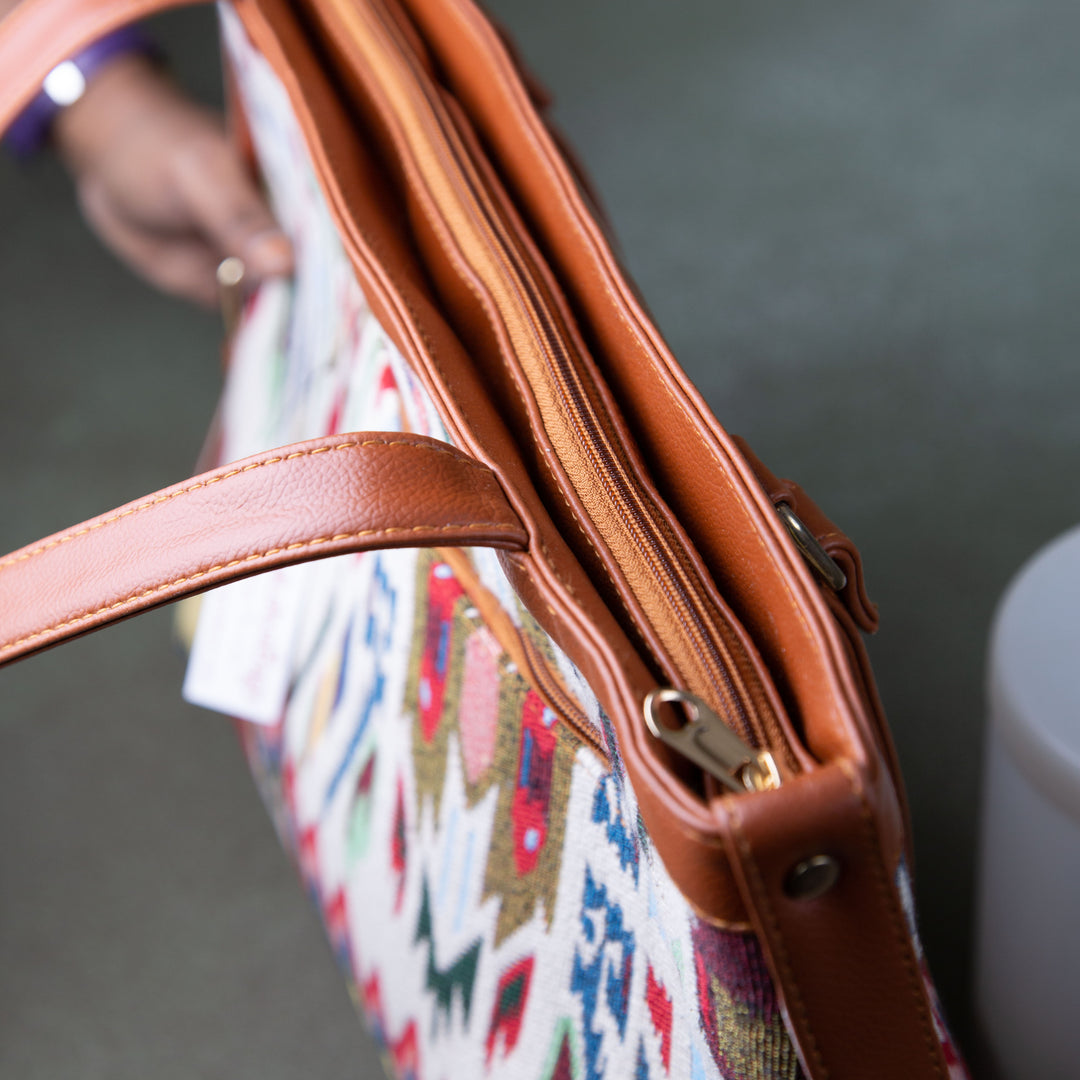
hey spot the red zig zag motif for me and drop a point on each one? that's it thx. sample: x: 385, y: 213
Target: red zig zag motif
x: 308, y: 857
x: 336, y: 917
x: 404, y: 1051
x: 660, y: 1011
x: 444, y: 591
x: 288, y: 787
x: 399, y: 844
x: 371, y: 1000
x: 532, y: 790
x: 366, y: 778
x: 564, y: 1063
x: 386, y: 380
x: 337, y: 411
x: 509, y: 1008
x: 405, y: 1054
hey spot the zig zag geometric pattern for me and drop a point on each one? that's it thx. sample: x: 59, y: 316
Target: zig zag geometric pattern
x: 485, y: 880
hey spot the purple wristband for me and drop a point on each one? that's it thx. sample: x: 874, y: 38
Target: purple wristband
x: 67, y: 82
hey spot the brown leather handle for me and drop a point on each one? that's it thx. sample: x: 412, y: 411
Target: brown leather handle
x: 324, y: 497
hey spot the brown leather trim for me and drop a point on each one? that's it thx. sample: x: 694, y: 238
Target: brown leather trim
x: 852, y: 609
x: 853, y: 989
x: 825, y: 958
x: 307, y: 501
x: 861, y: 669
x: 854, y: 595
x: 510, y: 313
x: 549, y: 579
x: 719, y: 501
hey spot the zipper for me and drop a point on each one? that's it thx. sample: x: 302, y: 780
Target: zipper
x: 703, y: 646
x: 710, y: 743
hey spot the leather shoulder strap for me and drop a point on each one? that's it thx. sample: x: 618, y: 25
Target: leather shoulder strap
x: 314, y: 499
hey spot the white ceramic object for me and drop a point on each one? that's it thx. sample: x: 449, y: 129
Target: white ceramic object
x: 1028, y: 958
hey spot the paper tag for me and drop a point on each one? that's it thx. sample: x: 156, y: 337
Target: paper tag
x: 254, y: 388
x: 240, y: 660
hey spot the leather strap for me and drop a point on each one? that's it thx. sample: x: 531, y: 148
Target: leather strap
x: 854, y: 992
x: 324, y: 497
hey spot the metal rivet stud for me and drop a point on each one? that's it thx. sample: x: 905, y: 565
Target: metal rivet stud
x: 812, y: 877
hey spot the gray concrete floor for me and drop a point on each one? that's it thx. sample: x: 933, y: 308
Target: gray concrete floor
x: 857, y: 224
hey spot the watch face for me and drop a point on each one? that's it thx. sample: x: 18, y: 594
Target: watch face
x: 65, y: 84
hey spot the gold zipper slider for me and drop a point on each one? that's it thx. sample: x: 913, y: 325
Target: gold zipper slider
x: 709, y: 743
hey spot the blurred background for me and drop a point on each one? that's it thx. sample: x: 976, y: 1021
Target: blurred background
x: 857, y: 225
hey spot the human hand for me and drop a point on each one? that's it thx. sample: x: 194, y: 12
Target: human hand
x: 161, y: 184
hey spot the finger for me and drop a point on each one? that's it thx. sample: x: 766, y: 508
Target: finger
x: 225, y: 202
x: 179, y: 263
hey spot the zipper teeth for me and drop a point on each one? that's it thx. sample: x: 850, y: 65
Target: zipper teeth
x: 651, y: 544
x: 610, y: 468
x: 607, y: 464
x: 712, y: 639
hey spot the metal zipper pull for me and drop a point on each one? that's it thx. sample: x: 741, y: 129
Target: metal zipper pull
x: 709, y: 743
